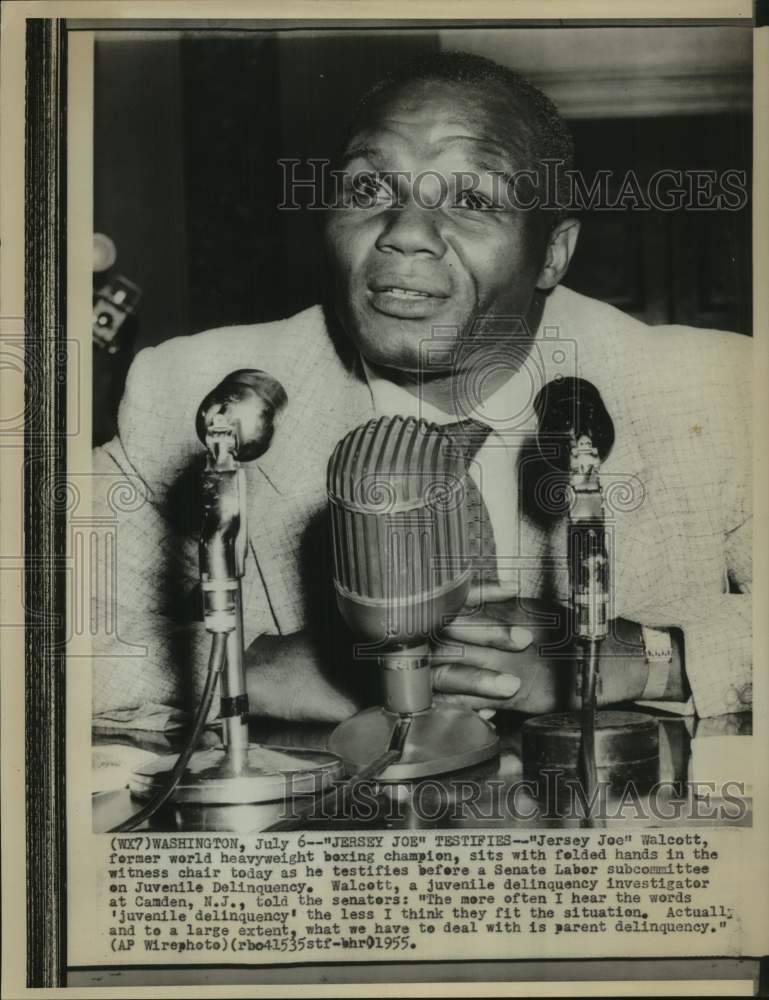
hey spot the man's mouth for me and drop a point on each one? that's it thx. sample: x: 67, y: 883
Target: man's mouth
x: 411, y: 300
x: 406, y: 293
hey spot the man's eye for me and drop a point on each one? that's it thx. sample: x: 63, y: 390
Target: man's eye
x: 367, y: 190
x: 475, y: 201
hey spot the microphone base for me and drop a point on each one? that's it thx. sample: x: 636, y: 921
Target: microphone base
x: 268, y: 774
x: 440, y: 739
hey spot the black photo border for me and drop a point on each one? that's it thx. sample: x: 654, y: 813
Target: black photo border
x: 45, y: 516
x: 45, y: 463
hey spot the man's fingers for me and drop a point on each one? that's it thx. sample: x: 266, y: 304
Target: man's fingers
x: 480, y: 593
x: 486, y: 708
x: 484, y: 631
x: 458, y: 678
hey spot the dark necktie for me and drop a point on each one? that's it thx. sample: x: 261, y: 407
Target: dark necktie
x: 469, y: 436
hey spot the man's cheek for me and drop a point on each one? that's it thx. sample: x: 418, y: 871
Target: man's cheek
x: 511, y: 293
x: 340, y: 237
x: 349, y: 262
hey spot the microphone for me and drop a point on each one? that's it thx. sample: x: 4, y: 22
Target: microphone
x: 246, y: 401
x: 617, y: 745
x: 104, y: 253
x: 572, y: 415
x: 396, y: 492
x: 235, y: 421
x: 569, y: 407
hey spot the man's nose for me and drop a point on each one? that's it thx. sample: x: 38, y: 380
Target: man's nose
x: 412, y: 229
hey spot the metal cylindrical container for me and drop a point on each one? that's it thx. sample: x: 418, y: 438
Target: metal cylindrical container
x: 626, y: 748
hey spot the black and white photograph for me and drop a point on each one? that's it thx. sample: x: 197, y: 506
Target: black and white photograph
x: 563, y: 314
x: 390, y: 539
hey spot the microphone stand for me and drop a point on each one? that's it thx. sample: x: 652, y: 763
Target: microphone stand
x: 222, y: 566
x: 588, y: 573
x: 237, y: 772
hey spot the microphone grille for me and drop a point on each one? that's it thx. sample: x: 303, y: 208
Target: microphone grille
x: 574, y: 406
x: 396, y: 491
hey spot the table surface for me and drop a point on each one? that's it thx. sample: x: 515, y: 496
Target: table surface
x: 695, y: 755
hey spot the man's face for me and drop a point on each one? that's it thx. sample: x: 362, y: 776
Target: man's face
x: 441, y: 245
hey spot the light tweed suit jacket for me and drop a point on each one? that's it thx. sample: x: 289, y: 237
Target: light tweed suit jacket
x: 678, y: 483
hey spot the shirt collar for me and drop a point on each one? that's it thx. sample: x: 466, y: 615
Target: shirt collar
x: 508, y: 408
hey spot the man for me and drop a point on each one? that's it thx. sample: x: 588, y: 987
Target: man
x: 444, y: 303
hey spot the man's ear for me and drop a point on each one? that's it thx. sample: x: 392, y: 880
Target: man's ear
x: 560, y: 247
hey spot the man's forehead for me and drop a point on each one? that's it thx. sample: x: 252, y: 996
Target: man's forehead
x: 378, y: 143
x: 435, y: 117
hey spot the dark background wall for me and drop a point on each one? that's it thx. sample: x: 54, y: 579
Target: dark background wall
x: 189, y: 129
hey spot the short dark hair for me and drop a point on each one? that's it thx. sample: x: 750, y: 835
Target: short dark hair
x: 547, y: 136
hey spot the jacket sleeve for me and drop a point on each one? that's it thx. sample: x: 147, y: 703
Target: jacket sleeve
x: 150, y: 647
x: 141, y: 642
x: 718, y: 647
x: 718, y: 654
x: 717, y: 628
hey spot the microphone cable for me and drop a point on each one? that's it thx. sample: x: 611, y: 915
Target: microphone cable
x: 368, y: 771
x: 215, y: 665
x: 587, y: 755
